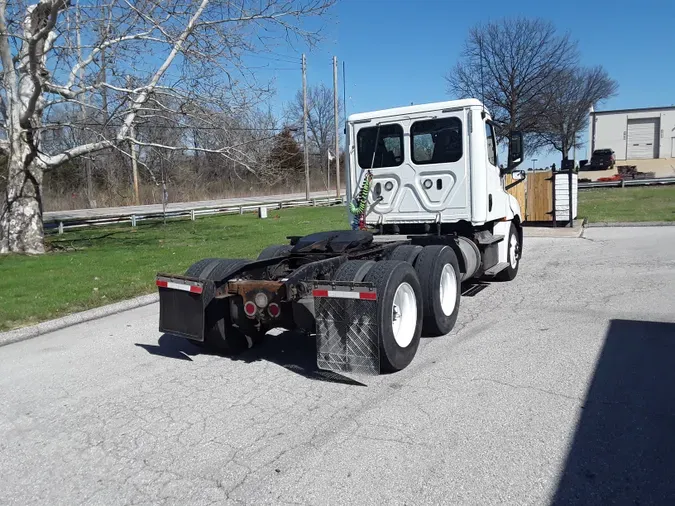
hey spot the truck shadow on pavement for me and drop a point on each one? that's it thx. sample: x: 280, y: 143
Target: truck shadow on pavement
x: 623, y: 450
x: 293, y: 351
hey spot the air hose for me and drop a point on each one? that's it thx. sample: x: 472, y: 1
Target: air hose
x: 357, y: 207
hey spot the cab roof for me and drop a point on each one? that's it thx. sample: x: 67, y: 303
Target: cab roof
x: 416, y: 109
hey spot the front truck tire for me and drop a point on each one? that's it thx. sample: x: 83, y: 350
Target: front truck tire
x: 399, y: 312
x: 513, y: 253
x: 220, y: 336
x: 438, y: 271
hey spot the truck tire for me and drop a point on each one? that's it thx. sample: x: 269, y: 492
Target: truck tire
x: 439, y: 275
x: 221, y: 336
x: 276, y: 250
x: 514, y: 250
x: 353, y: 270
x: 215, y: 269
x: 406, y: 253
x: 399, y: 312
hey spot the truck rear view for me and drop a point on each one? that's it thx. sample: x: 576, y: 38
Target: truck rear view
x: 428, y: 211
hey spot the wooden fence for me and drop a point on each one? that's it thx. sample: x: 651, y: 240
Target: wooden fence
x: 535, y: 196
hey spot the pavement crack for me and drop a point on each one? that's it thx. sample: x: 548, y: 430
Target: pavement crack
x: 530, y: 387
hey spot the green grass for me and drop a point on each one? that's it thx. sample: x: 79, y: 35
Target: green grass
x: 97, y: 266
x: 628, y: 204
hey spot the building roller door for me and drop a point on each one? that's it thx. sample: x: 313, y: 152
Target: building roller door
x: 643, y: 138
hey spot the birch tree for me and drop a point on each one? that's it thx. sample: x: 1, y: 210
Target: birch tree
x: 122, y: 62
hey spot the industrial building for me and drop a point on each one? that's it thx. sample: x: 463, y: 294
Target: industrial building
x: 641, y: 137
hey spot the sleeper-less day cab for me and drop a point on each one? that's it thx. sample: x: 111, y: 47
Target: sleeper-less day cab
x: 425, y: 189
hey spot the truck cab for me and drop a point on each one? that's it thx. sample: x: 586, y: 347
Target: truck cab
x: 431, y: 164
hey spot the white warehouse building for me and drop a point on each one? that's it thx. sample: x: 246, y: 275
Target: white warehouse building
x: 642, y: 137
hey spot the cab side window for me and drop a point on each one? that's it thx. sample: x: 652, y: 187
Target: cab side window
x: 491, y: 144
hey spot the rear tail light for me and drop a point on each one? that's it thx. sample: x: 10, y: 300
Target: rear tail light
x: 250, y: 309
x: 274, y: 310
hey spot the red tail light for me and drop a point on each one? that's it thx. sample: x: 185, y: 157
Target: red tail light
x: 274, y: 310
x: 250, y: 309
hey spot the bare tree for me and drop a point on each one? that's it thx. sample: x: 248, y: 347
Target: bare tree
x: 509, y: 63
x: 126, y: 62
x: 320, y: 119
x: 568, y: 100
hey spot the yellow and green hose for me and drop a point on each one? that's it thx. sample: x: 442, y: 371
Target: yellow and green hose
x: 357, y: 207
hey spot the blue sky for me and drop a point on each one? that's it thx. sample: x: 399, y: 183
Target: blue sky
x: 397, y: 51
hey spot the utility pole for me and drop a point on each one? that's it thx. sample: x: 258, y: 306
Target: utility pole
x: 337, y: 127
x: 304, y: 123
x: 570, y: 193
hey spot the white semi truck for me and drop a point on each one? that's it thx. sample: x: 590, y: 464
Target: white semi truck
x: 429, y: 210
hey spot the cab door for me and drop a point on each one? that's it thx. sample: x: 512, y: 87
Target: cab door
x: 496, y: 196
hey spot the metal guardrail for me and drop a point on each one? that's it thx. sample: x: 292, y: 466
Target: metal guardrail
x: 62, y: 224
x: 627, y: 182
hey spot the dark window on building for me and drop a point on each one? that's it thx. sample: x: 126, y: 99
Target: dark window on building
x: 436, y: 141
x: 389, y: 142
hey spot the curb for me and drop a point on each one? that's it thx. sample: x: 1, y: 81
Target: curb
x: 22, y: 334
x: 599, y: 224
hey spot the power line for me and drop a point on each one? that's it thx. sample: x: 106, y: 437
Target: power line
x: 270, y: 58
x: 170, y: 127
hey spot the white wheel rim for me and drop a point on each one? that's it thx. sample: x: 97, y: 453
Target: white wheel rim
x: 513, y: 251
x: 404, y: 315
x: 448, y: 289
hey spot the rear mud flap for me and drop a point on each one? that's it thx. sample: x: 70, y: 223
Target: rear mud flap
x: 347, y: 334
x: 185, y: 313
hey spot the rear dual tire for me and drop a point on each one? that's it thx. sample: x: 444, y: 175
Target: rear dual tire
x: 399, y: 312
x: 438, y: 271
x: 275, y: 250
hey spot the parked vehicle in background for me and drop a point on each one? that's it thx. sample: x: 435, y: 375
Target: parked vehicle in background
x: 602, y: 159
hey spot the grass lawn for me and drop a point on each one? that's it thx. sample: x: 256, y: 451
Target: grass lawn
x: 628, y: 204
x: 97, y: 266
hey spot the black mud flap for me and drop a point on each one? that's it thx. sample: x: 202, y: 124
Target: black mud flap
x: 347, y: 333
x: 184, y: 304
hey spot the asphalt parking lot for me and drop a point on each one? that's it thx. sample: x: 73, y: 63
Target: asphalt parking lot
x: 556, y: 388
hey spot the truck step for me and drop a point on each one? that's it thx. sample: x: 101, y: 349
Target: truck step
x: 496, y: 269
x: 485, y: 238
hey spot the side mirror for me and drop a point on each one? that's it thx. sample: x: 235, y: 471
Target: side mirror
x: 518, y: 175
x: 515, y: 150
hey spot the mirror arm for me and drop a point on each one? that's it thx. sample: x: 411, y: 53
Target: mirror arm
x: 515, y: 183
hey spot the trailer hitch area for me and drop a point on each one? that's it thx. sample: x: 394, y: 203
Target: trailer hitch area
x: 347, y: 333
x: 261, y: 298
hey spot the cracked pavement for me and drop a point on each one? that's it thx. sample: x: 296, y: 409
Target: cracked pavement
x: 498, y: 412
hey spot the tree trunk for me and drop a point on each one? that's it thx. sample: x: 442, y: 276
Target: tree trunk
x: 21, y: 228
x: 565, y: 150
